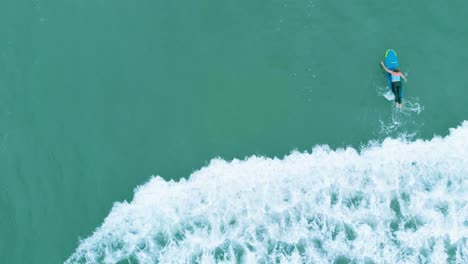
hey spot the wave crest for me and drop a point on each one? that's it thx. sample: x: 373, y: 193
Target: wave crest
x: 397, y: 201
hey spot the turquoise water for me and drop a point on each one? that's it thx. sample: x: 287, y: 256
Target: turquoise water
x: 98, y: 96
x: 321, y: 207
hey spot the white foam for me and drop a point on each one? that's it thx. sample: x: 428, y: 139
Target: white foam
x: 402, y: 122
x: 397, y: 201
x: 389, y: 95
x: 385, y: 92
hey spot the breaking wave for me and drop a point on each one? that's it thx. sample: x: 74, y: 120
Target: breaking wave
x: 397, y: 201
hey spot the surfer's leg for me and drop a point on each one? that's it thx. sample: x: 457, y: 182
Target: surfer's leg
x: 395, y: 92
x: 398, y: 95
x: 398, y: 88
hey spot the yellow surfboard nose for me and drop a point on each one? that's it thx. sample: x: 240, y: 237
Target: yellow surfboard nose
x: 386, y: 53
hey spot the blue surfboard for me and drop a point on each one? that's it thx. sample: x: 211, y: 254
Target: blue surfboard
x: 391, y: 62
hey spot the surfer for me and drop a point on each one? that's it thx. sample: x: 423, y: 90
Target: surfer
x: 396, y: 83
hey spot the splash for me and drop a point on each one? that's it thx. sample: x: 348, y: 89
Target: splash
x: 397, y: 201
x: 411, y: 104
x: 401, y: 120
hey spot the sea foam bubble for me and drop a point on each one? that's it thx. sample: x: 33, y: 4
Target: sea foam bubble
x: 396, y: 201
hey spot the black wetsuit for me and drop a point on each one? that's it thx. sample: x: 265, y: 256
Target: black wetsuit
x: 396, y: 89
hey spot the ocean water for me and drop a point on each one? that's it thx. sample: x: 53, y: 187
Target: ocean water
x: 394, y: 202
x: 232, y: 132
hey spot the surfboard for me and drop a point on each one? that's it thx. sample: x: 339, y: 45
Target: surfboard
x: 391, y: 62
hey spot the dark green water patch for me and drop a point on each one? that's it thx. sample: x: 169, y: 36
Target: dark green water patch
x: 413, y: 224
x: 343, y: 260
x: 395, y: 206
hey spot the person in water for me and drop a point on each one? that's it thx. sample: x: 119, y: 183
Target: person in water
x: 396, y: 83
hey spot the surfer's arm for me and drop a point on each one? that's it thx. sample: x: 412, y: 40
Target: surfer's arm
x: 403, y: 76
x: 385, y: 68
